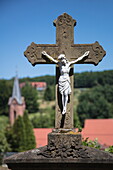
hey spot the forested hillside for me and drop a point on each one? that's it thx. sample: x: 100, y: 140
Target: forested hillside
x: 81, y: 80
x: 95, y: 99
x: 91, y: 79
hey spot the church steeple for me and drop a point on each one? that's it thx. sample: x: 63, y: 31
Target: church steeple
x: 16, y: 102
x: 16, y: 94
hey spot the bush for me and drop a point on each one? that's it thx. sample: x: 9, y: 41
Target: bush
x: 49, y: 94
x: 95, y: 103
x: 31, y: 96
x: 91, y: 143
x: 109, y: 149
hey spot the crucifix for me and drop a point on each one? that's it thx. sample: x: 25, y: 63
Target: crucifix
x: 36, y: 53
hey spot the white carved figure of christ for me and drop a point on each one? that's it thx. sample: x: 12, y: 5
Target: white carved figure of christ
x: 64, y: 79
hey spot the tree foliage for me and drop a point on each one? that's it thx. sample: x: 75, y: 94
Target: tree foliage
x: 44, y: 119
x: 29, y: 134
x: 50, y: 80
x: 49, y: 94
x: 21, y: 137
x: 109, y: 149
x: 91, y: 143
x: 96, y: 103
x: 18, y: 135
x: 91, y: 79
x: 5, y: 93
x: 77, y: 123
x: 31, y: 96
x: 81, y: 80
x: 4, y: 146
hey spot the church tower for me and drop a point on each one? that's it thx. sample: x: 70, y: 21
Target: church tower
x: 16, y: 102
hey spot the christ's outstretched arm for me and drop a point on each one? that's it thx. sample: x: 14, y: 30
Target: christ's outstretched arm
x: 49, y: 57
x: 80, y: 58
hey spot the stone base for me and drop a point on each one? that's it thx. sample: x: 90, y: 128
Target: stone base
x: 70, y: 138
x: 63, y: 145
x: 63, y: 152
x: 61, y: 166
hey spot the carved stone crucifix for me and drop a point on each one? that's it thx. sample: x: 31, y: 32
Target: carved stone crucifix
x: 64, y: 45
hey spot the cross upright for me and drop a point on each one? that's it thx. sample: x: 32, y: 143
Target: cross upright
x: 64, y: 44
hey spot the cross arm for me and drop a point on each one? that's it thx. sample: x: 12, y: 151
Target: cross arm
x: 95, y: 56
x: 34, y: 53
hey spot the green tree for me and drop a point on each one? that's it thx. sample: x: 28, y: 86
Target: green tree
x: 5, y: 93
x: 18, y: 135
x: 46, y: 119
x: 77, y: 123
x: 91, y: 79
x: 29, y: 134
x: 31, y: 96
x: 94, y: 104
x: 4, y: 146
x: 49, y: 94
x: 4, y: 120
x: 41, y: 121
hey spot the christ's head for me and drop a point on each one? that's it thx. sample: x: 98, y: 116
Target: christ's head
x: 62, y: 59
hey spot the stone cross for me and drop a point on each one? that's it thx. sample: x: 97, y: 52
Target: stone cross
x: 64, y: 44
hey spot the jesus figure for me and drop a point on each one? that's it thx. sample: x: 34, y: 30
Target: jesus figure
x: 64, y: 79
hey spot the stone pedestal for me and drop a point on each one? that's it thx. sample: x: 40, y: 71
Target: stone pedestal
x: 63, y: 152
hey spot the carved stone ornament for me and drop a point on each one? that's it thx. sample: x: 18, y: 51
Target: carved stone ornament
x: 64, y: 146
x: 65, y: 19
x: 99, y: 52
x: 69, y: 146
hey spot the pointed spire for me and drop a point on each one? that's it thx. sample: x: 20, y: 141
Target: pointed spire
x: 16, y: 94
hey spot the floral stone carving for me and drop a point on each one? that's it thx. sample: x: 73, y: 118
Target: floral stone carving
x: 64, y: 146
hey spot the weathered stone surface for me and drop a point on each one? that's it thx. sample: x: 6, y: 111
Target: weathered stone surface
x: 63, y: 166
x: 64, y: 44
x: 34, y: 155
x: 69, y: 145
x: 63, y: 145
x: 61, y: 149
x: 64, y: 151
x: 33, y: 160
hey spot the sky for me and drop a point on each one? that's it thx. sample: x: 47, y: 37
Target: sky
x: 26, y: 21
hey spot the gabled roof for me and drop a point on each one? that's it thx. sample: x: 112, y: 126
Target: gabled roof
x: 16, y: 94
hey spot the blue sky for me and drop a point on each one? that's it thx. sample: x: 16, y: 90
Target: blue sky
x: 26, y: 21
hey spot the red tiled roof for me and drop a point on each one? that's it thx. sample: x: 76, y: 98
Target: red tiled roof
x: 41, y: 136
x: 38, y: 84
x: 102, y: 129
x: 22, y: 84
x: 35, y: 84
